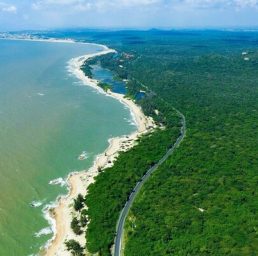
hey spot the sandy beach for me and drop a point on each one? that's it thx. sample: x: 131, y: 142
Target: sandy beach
x: 78, y: 183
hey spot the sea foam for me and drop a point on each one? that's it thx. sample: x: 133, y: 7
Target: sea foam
x: 36, y: 204
x: 84, y: 155
x: 131, y: 121
x: 51, y: 221
x: 58, y: 181
x: 44, y: 232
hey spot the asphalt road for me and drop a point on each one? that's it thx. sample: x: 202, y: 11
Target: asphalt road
x: 137, y: 188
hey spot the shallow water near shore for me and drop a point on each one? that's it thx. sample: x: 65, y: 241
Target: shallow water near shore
x: 47, y: 120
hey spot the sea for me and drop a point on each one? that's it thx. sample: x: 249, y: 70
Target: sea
x: 48, y: 118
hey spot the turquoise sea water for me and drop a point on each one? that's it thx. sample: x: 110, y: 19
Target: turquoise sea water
x: 47, y: 119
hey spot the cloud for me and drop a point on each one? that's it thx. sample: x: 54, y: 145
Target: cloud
x: 127, y: 13
x: 246, y: 3
x: 223, y: 4
x: 137, y: 2
x: 4, y: 7
x: 82, y: 5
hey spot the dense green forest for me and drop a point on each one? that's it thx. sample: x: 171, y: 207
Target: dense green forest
x: 118, y: 182
x: 206, y: 202
x: 203, y: 199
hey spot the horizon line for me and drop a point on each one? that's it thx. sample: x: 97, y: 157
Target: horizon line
x: 114, y: 29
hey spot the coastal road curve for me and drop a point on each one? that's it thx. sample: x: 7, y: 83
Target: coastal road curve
x: 137, y: 188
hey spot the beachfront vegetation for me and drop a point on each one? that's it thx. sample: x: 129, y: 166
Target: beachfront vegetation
x: 83, y: 219
x: 87, y: 70
x: 203, y: 199
x: 74, y: 247
x: 104, y: 86
x: 78, y: 203
x: 76, y: 226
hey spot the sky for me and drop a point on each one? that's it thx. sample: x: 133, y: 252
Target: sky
x: 51, y: 14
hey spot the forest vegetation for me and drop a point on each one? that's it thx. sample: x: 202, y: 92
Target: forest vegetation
x: 203, y: 199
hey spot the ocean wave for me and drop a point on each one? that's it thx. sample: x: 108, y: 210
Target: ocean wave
x: 131, y: 121
x: 51, y: 221
x: 36, y: 204
x: 44, y: 232
x: 58, y: 181
x: 84, y: 155
x: 80, y: 83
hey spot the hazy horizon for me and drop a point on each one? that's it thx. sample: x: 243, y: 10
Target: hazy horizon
x: 141, y: 14
x: 114, y: 29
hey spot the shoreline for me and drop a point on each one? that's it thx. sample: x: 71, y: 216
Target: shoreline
x: 60, y: 214
x: 49, y: 40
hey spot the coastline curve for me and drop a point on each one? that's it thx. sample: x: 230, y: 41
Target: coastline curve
x: 59, y: 213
